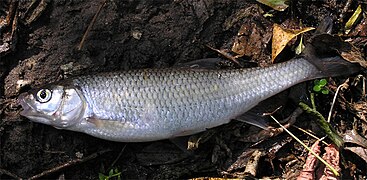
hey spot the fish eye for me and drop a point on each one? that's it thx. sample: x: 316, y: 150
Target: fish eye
x: 44, y: 95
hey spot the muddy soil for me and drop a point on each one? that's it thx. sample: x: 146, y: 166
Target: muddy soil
x: 130, y: 35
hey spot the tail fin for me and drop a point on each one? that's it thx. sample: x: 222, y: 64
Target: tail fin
x: 323, y: 49
x: 322, y: 52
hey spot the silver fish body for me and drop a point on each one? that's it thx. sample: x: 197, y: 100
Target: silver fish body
x: 154, y: 104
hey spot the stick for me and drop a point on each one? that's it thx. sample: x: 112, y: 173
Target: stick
x: 91, y: 25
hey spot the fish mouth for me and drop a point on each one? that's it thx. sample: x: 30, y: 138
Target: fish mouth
x: 27, y: 109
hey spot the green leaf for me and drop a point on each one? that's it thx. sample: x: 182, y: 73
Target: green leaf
x: 102, y: 176
x: 323, y: 82
x: 325, y: 91
x: 352, y: 20
x: 110, y: 173
x: 300, y: 46
x: 317, y: 88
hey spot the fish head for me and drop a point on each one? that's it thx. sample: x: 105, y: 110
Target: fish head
x: 53, y: 105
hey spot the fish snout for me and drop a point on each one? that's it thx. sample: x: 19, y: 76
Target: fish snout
x: 22, y: 101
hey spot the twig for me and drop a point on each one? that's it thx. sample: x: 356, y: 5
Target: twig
x: 344, y: 85
x: 357, y: 80
x: 271, y: 113
x: 6, y: 172
x: 305, y: 146
x: 253, y: 164
x: 117, y: 158
x: 70, y: 163
x: 312, y: 97
x: 363, y: 86
x: 91, y: 25
x: 225, y: 54
x: 12, y: 9
x: 312, y: 135
x: 344, y: 10
x: 291, y: 119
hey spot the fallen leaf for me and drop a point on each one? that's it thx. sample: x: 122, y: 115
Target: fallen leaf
x: 326, y: 42
x: 242, y: 160
x: 225, y: 54
x: 279, y: 5
x: 353, y: 19
x: 197, y: 139
x: 9, y: 37
x: 332, y: 157
x: 361, y: 29
x: 282, y: 36
x: 360, y: 151
x: 352, y: 136
x: 308, y: 171
x: 253, y: 163
x: 300, y: 46
x: 353, y: 55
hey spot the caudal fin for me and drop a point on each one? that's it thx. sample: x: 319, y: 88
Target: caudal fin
x: 322, y: 52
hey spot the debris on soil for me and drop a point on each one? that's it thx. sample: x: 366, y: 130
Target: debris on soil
x: 332, y: 157
x: 38, y: 45
x: 309, y: 168
x: 9, y: 28
x: 279, y: 5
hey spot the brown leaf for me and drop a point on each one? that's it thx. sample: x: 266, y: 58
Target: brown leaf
x: 326, y: 43
x: 253, y: 163
x: 352, y: 136
x: 308, y: 171
x: 360, y: 151
x: 282, y: 36
x: 353, y: 55
x: 261, y: 135
x: 242, y: 160
x: 332, y: 157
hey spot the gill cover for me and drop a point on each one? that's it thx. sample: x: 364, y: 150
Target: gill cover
x: 57, y: 106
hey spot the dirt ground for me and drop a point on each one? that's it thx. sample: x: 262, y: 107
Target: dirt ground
x: 145, y: 34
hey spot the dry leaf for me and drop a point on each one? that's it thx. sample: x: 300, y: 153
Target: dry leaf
x: 360, y: 151
x: 282, y: 36
x: 353, y: 55
x: 308, y: 171
x: 253, y: 163
x: 262, y: 135
x: 242, y: 160
x: 332, y: 157
x: 352, y: 136
x: 327, y: 42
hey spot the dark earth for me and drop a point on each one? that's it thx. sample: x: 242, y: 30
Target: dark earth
x: 157, y: 34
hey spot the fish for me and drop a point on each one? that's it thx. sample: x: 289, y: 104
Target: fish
x: 154, y: 104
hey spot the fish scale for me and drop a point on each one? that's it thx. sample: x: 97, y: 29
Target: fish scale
x: 152, y: 104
